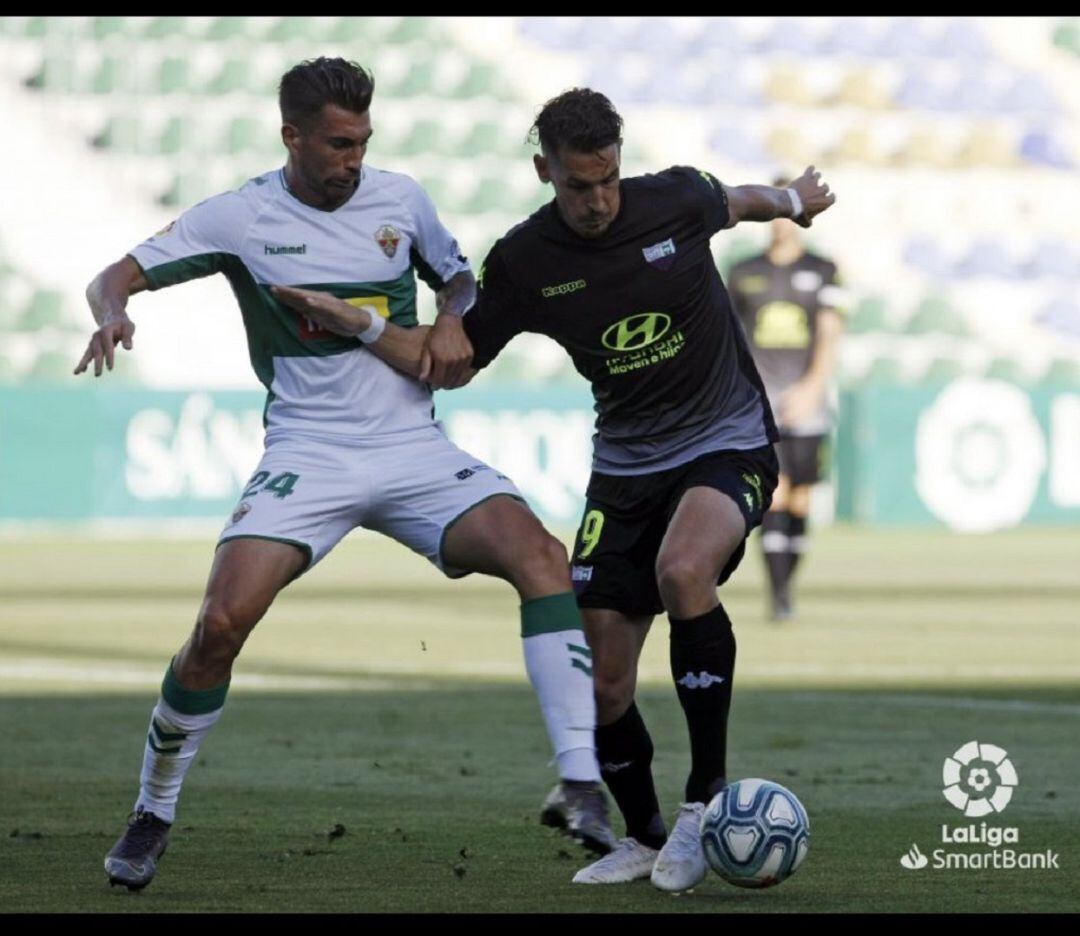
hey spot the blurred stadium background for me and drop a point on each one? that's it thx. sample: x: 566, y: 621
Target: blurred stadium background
x: 954, y: 147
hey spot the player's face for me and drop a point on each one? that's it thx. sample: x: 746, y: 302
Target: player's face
x: 586, y: 187
x: 326, y: 157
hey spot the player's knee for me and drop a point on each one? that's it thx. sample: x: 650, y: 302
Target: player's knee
x: 221, y: 630
x: 680, y: 576
x: 614, y: 693
x: 540, y: 564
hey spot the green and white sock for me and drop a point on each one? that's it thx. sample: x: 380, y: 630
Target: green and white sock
x: 559, y: 664
x: 178, y: 724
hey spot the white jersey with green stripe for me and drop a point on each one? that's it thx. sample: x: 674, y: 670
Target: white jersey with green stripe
x: 366, y: 252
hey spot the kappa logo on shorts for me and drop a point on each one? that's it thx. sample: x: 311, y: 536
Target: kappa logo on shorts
x: 466, y: 473
x: 755, y: 482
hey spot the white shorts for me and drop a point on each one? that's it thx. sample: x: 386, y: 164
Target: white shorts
x: 311, y: 492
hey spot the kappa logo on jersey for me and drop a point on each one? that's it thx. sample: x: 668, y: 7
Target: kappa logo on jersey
x: 166, y: 230
x: 241, y: 511
x: 388, y: 237
x: 563, y: 289
x: 636, y: 331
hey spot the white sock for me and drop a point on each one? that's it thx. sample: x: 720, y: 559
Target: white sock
x: 559, y: 664
x: 172, y: 742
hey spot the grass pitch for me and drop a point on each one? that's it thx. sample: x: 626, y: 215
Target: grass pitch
x: 379, y: 699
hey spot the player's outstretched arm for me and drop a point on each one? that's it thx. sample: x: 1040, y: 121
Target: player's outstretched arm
x: 448, y: 353
x: 401, y: 348
x: 107, y: 295
x: 765, y: 203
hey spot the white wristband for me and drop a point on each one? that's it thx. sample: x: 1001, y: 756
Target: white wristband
x: 374, y: 331
x: 796, y: 203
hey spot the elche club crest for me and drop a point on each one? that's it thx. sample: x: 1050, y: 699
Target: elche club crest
x: 388, y: 237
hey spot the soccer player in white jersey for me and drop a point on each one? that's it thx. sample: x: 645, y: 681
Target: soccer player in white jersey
x: 350, y: 441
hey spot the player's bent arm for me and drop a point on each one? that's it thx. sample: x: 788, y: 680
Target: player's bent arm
x: 401, y: 348
x: 107, y: 296
x: 766, y: 203
x: 830, y: 325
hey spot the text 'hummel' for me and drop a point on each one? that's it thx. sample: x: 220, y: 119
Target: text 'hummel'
x: 267, y: 249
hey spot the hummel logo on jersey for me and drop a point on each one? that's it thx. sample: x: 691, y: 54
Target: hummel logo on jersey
x: 701, y: 681
x: 563, y: 289
x: 273, y: 251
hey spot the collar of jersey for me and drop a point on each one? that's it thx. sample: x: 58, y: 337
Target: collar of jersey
x: 288, y: 191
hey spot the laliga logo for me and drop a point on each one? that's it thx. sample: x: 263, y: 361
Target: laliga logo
x: 979, y: 779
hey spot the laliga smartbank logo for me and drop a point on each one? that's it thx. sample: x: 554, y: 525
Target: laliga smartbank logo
x: 979, y: 781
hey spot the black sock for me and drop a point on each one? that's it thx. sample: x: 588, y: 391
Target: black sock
x: 774, y: 545
x: 625, y: 752
x: 702, y: 665
x: 796, y: 530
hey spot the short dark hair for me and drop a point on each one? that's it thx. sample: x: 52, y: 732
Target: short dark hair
x: 580, y: 119
x: 306, y: 88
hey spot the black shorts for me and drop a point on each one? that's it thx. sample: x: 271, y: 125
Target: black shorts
x: 801, y: 458
x: 614, y: 559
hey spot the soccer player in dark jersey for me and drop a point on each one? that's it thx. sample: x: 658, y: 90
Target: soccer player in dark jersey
x: 788, y: 300
x: 619, y: 272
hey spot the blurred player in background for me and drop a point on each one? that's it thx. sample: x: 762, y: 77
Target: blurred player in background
x: 788, y: 300
x: 350, y: 441
x: 620, y: 273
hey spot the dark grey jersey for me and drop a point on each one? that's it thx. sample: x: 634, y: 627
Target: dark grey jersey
x: 643, y: 314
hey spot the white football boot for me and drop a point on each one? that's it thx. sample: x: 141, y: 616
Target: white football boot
x: 681, y: 862
x: 628, y: 861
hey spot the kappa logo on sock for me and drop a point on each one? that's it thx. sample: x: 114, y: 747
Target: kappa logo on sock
x: 701, y: 681
x: 615, y: 768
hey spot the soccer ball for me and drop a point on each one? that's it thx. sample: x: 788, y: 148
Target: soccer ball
x: 755, y: 833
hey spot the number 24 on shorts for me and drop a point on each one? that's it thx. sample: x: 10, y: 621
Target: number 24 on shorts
x: 280, y: 486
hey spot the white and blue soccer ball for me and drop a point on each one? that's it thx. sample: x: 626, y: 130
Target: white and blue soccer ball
x: 755, y: 833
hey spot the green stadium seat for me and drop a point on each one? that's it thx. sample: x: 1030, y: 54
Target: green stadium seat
x: 424, y: 136
x: 173, y: 76
x: 37, y: 27
x: 420, y: 79
x: 112, y: 75
x: 185, y: 190
x: 105, y: 27
x: 225, y: 28
x: 351, y: 29
x: 8, y: 372
x: 53, y: 366
x: 235, y: 75
x: 440, y: 191
x: 942, y: 369
x: 292, y: 29
x: 1005, y: 368
x: 121, y: 134
x: 483, y: 79
x: 493, y: 193
x: 165, y: 27
x: 934, y: 315
x: 884, y: 370
x: 1067, y: 36
x: 54, y: 74
x: 1064, y: 372
x: 244, y: 135
x: 176, y: 136
x: 44, y: 309
x: 412, y: 29
x: 871, y: 314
